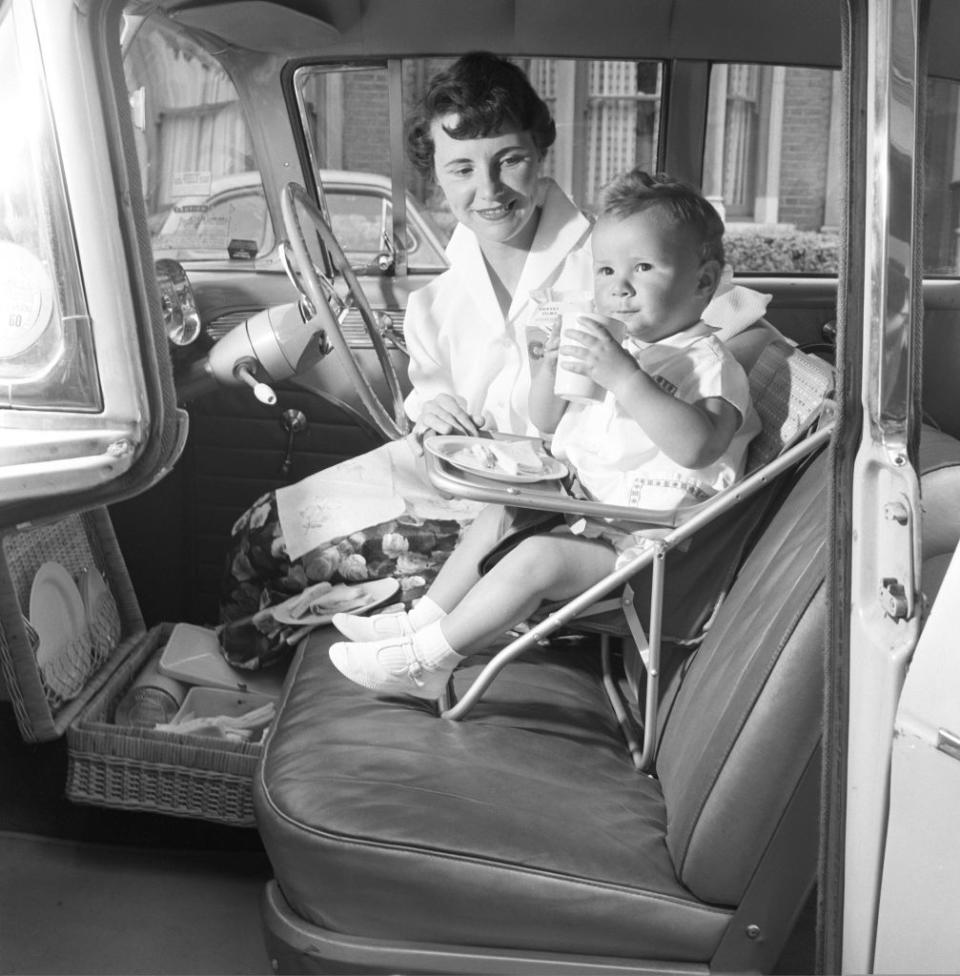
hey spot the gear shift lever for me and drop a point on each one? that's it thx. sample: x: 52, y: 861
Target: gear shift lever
x: 292, y: 421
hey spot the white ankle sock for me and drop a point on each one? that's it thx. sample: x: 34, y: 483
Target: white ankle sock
x: 430, y: 646
x: 388, y: 624
x: 424, y: 612
x: 433, y: 648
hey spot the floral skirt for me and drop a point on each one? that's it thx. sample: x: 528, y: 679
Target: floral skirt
x: 259, y: 573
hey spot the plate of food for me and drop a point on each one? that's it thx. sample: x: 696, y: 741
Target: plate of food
x: 317, y: 604
x: 519, y: 462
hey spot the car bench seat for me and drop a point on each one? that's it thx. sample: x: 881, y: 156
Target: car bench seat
x: 527, y: 828
x: 523, y: 839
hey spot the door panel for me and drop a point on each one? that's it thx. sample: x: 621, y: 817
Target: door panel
x: 236, y: 449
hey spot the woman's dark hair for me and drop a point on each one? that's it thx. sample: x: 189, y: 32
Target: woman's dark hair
x: 631, y: 192
x: 487, y: 94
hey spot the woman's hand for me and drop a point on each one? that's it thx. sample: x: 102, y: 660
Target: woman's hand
x: 444, y: 414
x: 599, y: 355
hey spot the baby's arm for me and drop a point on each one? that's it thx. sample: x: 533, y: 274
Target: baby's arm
x: 691, y: 434
x: 545, y: 407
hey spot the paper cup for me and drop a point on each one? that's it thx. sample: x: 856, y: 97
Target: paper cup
x: 569, y: 385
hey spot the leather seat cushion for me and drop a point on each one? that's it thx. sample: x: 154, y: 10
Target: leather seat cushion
x: 525, y: 826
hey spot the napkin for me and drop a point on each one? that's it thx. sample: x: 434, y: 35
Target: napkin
x: 734, y: 307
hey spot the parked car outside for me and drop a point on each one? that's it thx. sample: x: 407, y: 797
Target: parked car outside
x: 231, y: 223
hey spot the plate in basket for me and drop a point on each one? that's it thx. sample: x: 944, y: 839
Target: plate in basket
x: 58, y: 617
x: 317, y: 604
x: 92, y: 587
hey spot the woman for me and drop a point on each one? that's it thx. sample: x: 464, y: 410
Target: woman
x: 482, y: 132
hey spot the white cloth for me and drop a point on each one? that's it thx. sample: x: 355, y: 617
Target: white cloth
x: 619, y: 464
x: 389, y: 481
x: 734, y: 307
x: 459, y: 341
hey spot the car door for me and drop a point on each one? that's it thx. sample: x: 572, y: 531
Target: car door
x: 87, y: 411
x: 885, y: 814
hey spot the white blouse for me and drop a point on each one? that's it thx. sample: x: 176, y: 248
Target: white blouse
x: 459, y: 341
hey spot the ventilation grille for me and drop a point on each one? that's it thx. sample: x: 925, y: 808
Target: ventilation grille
x: 354, y: 330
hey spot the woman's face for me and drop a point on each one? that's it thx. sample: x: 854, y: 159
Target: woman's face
x: 490, y: 183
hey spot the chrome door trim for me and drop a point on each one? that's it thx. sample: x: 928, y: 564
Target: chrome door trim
x: 884, y: 512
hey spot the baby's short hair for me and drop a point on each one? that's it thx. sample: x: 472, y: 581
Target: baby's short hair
x: 635, y: 190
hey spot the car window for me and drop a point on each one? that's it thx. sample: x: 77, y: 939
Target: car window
x: 941, y: 186
x: 773, y: 168
x: 228, y: 224
x: 358, y: 221
x: 607, y: 113
x: 202, y: 191
x: 363, y: 221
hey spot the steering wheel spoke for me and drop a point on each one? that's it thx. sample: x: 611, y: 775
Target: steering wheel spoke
x: 319, y: 291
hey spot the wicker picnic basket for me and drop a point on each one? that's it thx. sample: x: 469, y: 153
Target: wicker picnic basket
x: 112, y: 765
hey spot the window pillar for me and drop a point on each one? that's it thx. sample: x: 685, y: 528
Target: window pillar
x: 713, y: 147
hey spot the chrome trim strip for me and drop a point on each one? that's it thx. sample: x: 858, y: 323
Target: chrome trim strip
x: 948, y: 743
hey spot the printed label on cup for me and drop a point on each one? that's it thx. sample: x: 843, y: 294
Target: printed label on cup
x: 576, y: 387
x: 540, y: 327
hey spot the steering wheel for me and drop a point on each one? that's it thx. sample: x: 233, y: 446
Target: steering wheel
x: 318, y: 290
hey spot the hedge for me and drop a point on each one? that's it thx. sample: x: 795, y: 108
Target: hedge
x: 759, y: 249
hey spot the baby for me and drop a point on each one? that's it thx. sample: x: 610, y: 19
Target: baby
x: 672, y: 428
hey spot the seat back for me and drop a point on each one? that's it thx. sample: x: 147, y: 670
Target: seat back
x: 789, y: 390
x: 746, y: 718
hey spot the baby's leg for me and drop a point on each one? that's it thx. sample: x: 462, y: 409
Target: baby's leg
x: 457, y: 575
x: 542, y: 567
x: 460, y: 572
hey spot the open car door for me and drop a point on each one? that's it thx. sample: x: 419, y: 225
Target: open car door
x: 892, y: 725
x: 87, y: 403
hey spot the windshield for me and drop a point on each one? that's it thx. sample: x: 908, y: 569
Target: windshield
x: 202, y: 189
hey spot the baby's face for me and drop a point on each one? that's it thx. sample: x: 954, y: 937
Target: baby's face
x: 648, y: 274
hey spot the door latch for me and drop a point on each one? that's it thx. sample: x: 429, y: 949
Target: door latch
x: 893, y: 599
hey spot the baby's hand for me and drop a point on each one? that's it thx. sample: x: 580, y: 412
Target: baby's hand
x: 599, y: 354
